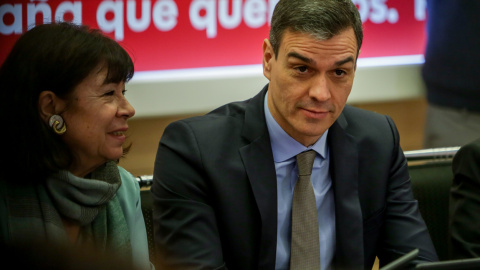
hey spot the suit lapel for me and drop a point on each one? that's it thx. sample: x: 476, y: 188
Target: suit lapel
x: 344, y: 173
x: 257, y: 155
x: 258, y: 161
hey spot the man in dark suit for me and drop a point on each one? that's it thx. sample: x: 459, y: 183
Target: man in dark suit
x: 465, y: 203
x: 224, y: 182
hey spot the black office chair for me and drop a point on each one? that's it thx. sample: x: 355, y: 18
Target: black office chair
x: 431, y: 177
x: 147, y: 210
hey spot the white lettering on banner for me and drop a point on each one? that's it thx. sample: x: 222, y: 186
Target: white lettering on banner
x: 68, y: 7
x: 255, y: 13
x: 203, y: 14
x: 138, y: 25
x: 33, y: 9
x: 114, y: 25
x: 272, y: 4
x: 232, y: 21
x: 207, y: 21
x: 75, y: 8
x: 16, y: 26
x: 376, y: 11
x: 165, y: 13
x: 420, y: 10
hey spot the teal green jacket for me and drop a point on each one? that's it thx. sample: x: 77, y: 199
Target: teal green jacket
x: 129, y: 196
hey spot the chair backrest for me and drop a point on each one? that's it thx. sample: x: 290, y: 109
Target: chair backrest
x: 147, y: 209
x: 431, y: 177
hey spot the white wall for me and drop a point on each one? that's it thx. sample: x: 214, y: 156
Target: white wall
x: 201, y: 90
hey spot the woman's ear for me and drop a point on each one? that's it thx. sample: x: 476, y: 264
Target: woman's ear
x: 46, y: 104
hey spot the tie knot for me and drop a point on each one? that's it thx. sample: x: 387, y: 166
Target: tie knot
x: 305, y: 162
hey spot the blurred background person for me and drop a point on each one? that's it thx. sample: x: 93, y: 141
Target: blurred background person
x: 451, y: 73
x: 66, y: 115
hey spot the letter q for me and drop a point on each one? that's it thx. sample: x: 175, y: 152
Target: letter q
x: 115, y: 25
x: 208, y: 21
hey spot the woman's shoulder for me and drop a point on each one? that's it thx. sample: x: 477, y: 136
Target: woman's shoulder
x: 127, y: 177
x: 129, y: 191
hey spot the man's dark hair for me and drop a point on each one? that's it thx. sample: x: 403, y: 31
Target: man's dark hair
x: 322, y: 19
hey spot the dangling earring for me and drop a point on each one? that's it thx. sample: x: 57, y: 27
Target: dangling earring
x: 57, y: 124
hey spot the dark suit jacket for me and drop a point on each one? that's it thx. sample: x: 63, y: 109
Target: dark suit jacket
x: 465, y: 203
x: 215, y: 200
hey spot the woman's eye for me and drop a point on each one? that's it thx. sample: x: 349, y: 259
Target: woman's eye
x: 110, y: 93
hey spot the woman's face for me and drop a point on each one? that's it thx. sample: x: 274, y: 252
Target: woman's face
x: 96, y: 117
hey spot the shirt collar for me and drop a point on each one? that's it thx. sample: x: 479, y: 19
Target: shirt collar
x: 285, y: 147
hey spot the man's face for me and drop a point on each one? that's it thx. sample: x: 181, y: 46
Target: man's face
x: 309, y: 82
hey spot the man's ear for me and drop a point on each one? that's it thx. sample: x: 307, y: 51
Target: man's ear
x: 268, y: 57
x: 46, y: 104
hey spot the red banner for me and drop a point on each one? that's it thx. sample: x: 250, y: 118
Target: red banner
x: 180, y: 34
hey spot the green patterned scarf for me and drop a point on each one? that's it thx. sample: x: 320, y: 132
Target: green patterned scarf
x: 36, y: 211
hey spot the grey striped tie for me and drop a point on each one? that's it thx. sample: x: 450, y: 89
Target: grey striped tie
x: 305, y: 248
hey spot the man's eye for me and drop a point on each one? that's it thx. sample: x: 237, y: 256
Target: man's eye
x: 110, y: 93
x: 302, y: 69
x: 339, y: 72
